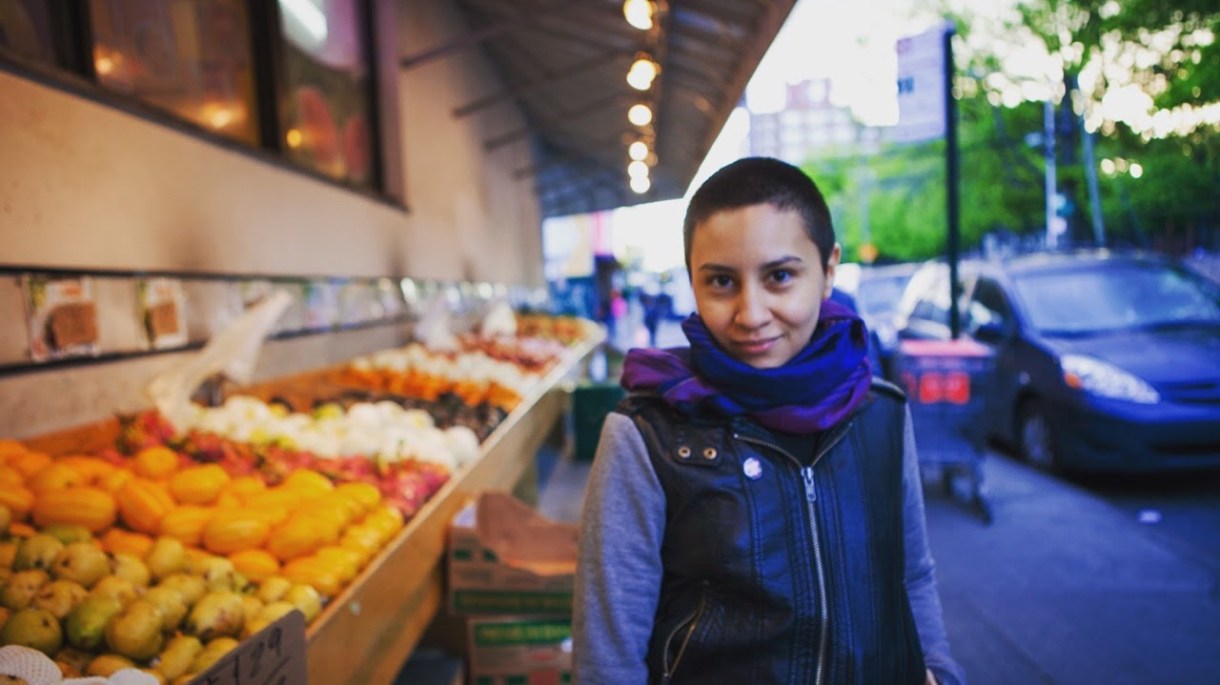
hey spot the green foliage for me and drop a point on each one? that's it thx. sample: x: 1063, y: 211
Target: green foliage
x: 1172, y: 204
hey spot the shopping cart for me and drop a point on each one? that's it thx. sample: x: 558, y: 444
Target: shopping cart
x: 948, y: 384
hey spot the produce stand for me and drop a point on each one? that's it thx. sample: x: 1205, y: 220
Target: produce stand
x: 367, y: 631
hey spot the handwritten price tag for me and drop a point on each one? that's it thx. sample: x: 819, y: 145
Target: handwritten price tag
x: 274, y: 655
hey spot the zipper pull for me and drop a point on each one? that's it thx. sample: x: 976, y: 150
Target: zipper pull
x: 811, y: 492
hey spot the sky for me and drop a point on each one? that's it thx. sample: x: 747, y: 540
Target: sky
x: 850, y: 43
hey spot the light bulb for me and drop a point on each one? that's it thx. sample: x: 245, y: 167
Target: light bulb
x: 642, y: 72
x: 640, y: 115
x: 637, y: 169
x: 640, y: 184
x: 638, y: 151
x: 639, y: 13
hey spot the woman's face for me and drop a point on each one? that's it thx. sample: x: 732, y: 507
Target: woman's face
x: 758, y: 282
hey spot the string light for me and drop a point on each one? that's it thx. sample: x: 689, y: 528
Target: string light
x: 638, y: 151
x: 640, y: 184
x: 642, y: 72
x: 639, y: 13
x: 637, y: 169
x: 640, y: 115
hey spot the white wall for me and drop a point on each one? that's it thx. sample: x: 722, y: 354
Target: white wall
x: 84, y: 184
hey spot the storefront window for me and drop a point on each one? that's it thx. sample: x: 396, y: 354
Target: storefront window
x: 327, y: 88
x: 25, y: 30
x: 191, y: 57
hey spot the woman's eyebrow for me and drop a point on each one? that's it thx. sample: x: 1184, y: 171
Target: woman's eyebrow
x: 774, y: 263
x: 782, y: 261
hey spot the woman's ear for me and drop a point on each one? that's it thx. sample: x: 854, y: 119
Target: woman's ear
x: 832, y: 264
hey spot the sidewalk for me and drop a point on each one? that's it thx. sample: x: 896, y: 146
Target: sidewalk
x: 1061, y: 588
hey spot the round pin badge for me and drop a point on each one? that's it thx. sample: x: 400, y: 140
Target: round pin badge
x: 752, y: 467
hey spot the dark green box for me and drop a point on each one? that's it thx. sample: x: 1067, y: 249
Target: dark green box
x: 591, y: 402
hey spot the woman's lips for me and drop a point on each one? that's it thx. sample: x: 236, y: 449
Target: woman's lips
x: 755, y: 346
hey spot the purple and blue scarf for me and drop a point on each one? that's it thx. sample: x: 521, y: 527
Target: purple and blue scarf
x: 816, y: 389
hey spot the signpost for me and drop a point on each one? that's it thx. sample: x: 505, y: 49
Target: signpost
x: 927, y: 111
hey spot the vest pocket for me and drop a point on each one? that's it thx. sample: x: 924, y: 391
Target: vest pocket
x: 678, y: 638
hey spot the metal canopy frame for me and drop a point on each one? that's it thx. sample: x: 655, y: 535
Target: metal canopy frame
x: 563, y: 64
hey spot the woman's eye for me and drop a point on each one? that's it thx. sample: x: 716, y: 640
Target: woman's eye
x: 720, y: 281
x: 781, y: 275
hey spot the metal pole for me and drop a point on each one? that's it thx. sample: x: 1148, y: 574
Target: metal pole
x: 1052, y: 191
x: 1090, y: 172
x: 951, y: 189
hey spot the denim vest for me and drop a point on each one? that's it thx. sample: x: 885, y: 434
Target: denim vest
x: 776, y: 572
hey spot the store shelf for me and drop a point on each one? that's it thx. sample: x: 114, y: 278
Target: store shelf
x: 368, y: 631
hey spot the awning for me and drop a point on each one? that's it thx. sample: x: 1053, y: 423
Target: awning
x: 565, y: 62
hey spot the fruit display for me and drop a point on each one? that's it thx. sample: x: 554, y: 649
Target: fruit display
x: 163, y: 550
x: 172, y: 603
x: 568, y: 330
x: 473, y: 375
x: 119, y: 558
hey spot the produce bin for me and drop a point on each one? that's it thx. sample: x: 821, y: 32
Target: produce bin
x: 591, y: 402
x: 949, y: 386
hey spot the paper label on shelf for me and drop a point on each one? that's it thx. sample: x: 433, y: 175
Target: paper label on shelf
x: 274, y: 655
x: 162, y: 303
x: 62, y: 317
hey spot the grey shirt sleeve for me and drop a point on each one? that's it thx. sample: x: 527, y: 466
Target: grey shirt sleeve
x: 920, y: 571
x: 618, y: 573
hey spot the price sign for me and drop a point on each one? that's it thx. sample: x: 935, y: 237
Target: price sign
x: 274, y: 655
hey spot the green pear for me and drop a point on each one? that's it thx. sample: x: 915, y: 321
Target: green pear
x: 219, y: 613
x: 218, y: 573
x: 68, y: 533
x: 37, y: 552
x: 167, y: 556
x: 86, y: 623
x: 273, y: 589
x: 191, y: 587
x: 116, y: 587
x: 132, y: 568
x: 305, y: 598
x: 59, y: 597
x: 135, y: 632
x: 178, y: 655
x: 21, y: 587
x: 36, y: 628
x: 81, y: 562
x: 171, y: 603
x: 212, y: 652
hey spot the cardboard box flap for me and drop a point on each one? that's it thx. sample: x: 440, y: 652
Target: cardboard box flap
x: 521, y: 537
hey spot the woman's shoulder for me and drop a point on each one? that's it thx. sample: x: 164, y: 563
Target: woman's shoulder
x: 886, y: 389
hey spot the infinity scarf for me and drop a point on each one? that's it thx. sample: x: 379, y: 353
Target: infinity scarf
x: 816, y: 389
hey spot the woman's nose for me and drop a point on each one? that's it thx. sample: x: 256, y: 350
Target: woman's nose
x: 752, y: 311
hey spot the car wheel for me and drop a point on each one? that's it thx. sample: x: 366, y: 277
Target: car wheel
x: 1034, y: 440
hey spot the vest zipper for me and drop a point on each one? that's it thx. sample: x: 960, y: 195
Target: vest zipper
x: 690, y: 624
x: 811, y: 498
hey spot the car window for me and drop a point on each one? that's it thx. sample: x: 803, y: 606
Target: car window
x: 1113, y: 296
x: 878, y: 296
x: 988, y: 305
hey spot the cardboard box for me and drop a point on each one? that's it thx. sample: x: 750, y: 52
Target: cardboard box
x: 514, y: 650
x: 506, y: 559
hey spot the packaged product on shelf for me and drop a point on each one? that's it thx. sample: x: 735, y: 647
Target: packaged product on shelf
x: 506, y: 559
